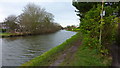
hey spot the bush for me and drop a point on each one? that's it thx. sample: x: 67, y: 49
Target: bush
x: 3, y: 30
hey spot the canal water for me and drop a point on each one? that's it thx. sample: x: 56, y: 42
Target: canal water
x: 17, y: 50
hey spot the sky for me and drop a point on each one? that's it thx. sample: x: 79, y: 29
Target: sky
x: 63, y: 11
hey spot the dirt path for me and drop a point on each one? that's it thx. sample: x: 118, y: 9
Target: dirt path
x: 67, y: 54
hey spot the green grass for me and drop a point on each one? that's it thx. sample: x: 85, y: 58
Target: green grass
x: 9, y: 34
x: 87, y: 57
x: 5, y: 34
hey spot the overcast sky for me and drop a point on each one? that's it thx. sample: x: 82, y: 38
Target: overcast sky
x: 63, y: 10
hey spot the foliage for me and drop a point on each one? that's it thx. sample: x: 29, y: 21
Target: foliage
x: 91, y: 24
x: 10, y: 23
x: 82, y: 7
x: 2, y: 30
x: 70, y: 28
x: 33, y: 20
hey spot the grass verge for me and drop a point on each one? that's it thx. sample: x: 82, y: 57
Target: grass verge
x: 46, y: 58
x: 87, y: 57
x: 5, y: 34
x: 10, y: 34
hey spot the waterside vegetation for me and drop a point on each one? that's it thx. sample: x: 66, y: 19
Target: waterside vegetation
x: 34, y: 20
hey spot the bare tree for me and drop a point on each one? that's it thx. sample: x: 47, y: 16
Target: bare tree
x: 35, y: 20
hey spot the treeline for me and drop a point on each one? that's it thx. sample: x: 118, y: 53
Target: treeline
x: 99, y: 24
x: 33, y: 20
x: 70, y: 27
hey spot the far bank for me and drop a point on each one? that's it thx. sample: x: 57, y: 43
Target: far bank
x: 17, y: 34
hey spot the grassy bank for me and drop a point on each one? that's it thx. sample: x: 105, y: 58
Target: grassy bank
x: 87, y: 57
x: 10, y: 34
x: 23, y: 34
x: 5, y: 34
x: 84, y: 56
x: 49, y: 56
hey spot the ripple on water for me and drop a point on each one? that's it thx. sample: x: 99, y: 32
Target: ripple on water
x: 31, y: 51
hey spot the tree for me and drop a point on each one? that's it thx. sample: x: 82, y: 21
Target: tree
x: 83, y: 7
x: 35, y: 20
x: 31, y: 17
x: 10, y: 23
x: 90, y: 22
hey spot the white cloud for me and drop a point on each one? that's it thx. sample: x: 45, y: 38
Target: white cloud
x: 2, y: 15
x: 7, y: 9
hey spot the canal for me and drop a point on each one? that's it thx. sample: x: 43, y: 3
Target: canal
x: 17, y: 50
